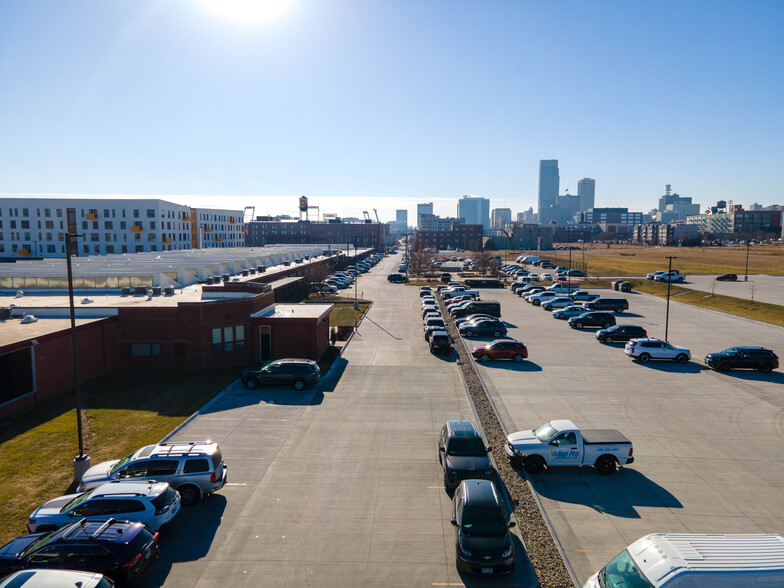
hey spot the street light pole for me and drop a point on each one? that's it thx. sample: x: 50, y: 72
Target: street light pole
x: 746, y: 277
x: 669, y: 281
x: 569, y: 273
x: 82, y: 462
x: 356, y: 278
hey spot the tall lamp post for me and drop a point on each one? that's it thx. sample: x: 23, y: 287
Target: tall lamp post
x: 669, y: 281
x: 582, y: 246
x: 746, y: 277
x: 356, y: 278
x: 81, y: 462
x: 569, y: 272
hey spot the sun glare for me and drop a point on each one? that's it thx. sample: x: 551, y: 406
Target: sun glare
x: 247, y: 11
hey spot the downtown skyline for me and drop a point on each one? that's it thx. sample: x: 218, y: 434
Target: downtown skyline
x: 389, y: 104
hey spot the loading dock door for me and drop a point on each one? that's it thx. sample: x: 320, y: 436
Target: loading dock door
x: 265, y: 343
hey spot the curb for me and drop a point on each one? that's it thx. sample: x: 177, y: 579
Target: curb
x: 214, y: 400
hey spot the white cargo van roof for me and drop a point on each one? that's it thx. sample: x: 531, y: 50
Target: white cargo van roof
x: 662, y: 556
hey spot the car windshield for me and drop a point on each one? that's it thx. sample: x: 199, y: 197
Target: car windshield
x: 76, y: 501
x: 483, y: 521
x: 470, y: 447
x: 731, y: 351
x: 121, y: 463
x: 44, y: 540
x: 621, y: 572
x: 545, y: 432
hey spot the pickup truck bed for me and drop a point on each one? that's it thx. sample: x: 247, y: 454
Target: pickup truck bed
x: 599, y: 436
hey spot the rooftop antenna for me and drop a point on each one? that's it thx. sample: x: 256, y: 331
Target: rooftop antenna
x: 667, y: 189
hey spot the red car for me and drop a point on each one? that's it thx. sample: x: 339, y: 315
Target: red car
x: 501, y: 349
x: 727, y: 278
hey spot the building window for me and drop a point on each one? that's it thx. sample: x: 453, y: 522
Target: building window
x: 59, y: 213
x: 107, y: 225
x: 228, y: 339
x: 151, y: 236
x: 110, y: 249
x: 135, y: 213
x: 152, y: 225
x: 123, y: 226
x: 145, y: 349
x: 150, y: 213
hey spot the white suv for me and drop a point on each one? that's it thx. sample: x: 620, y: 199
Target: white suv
x: 140, y: 501
x: 645, y: 350
x: 539, y: 297
x: 194, y: 468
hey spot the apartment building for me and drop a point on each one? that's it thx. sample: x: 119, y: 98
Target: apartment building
x: 36, y: 227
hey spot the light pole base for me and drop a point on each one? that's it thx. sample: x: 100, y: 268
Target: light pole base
x: 745, y: 278
x: 80, y: 465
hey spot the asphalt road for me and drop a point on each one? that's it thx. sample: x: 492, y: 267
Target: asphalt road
x: 338, y: 485
x: 706, y: 444
x: 759, y: 287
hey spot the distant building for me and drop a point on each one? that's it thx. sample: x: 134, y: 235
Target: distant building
x: 527, y: 216
x: 433, y: 222
x: 738, y: 222
x: 572, y: 233
x: 613, y: 216
x: 664, y: 234
x: 372, y: 235
x: 36, y: 227
x: 528, y: 237
x: 424, y: 208
x: 673, y: 207
x: 401, y: 216
x: 500, y: 217
x: 459, y: 236
x: 586, y: 191
x: 475, y: 210
x: 549, y: 184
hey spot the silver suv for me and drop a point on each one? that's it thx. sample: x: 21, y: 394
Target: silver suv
x: 194, y: 468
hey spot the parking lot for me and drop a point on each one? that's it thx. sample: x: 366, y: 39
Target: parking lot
x: 706, y: 444
x: 762, y: 288
x: 338, y: 485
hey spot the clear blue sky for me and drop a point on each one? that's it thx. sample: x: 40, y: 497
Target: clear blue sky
x: 363, y: 104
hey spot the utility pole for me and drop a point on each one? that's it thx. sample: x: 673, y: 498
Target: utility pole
x: 748, y: 242
x: 669, y: 281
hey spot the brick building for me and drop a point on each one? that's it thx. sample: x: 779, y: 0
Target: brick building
x: 459, y: 236
x: 373, y: 235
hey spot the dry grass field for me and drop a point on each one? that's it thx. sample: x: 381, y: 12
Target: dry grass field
x: 632, y: 260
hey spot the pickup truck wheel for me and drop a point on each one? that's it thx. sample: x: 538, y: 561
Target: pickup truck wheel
x: 619, y: 310
x: 251, y: 383
x: 534, y: 464
x: 608, y: 339
x: 518, y: 357
x: 766, y: 368
x: 606, y: 465
x: 682, y: 358
x: 644, y: 358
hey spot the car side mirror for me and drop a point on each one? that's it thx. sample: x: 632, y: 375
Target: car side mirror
x: 442, y: 448
x: 489, y: 448
x: 454, y: 522
x: 512, y: 524
x: 553, y: 443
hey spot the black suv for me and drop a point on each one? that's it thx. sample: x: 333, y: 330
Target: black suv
x: 483, y: 541
x: 282, y: 372
x: 604, y: 320
x: 124, y: 551
x: 612, y: 304
x: 462, y: 453
x: 621, y: 333
x: 440, y: 342
x: 754, y: 358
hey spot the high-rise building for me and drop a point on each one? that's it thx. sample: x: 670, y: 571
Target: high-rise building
x: 549, y: 184
x: 424, y: 208
x: 500, y: 217
x: 526, y: 216
x: 586, y: 190
x: 475, y: 210
x: 401, y: 216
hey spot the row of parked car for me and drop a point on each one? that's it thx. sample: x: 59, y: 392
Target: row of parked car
x: 109, y: 528
x: 344, y: 279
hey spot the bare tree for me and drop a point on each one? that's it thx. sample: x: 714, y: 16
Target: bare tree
x: 481, y: 261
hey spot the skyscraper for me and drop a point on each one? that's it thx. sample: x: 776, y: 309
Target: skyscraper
x: 401, y: 216
x: 424, y: 208
x: 586, y: 190
x: 549, y: 184
x: 475, y: 210
x: 501, y: 217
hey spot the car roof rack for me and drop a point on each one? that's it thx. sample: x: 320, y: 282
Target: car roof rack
x: 102, y: 528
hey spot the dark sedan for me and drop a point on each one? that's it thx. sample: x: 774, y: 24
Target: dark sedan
x: 485, y: 327
x: 619, y: 333
x: 592, y: 319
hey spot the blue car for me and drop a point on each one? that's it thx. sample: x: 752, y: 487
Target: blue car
x: 492, y: 327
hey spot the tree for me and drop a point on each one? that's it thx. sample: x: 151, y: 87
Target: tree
x: 481, y: 261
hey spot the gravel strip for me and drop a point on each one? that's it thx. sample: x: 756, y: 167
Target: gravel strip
x: 542, y: 550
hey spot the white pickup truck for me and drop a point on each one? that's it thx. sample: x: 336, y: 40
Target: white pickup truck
x: 448, y: 293
x: 561, y: 443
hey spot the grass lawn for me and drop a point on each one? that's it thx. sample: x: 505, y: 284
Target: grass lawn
x: 123, y: 411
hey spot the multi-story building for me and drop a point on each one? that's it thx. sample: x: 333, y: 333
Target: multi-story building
x: 664, y: 234
x: 36, y: 227
x: 528, y: 237
x: 459, y: 236
x: 613, y: 216
x: 424, y: 208
x: 475, y: 210
x: 501, y: 217
x: 586, y: 191
x: 433, y: 222
x: 549, y: 184
x: 371, y: 235
x: 401, y: 216
x: 738, y: 222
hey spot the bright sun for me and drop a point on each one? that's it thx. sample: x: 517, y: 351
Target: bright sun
x: 247, y: 11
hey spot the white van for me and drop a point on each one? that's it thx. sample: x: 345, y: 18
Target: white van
x: 695, y: 561
x: 529, y: 259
